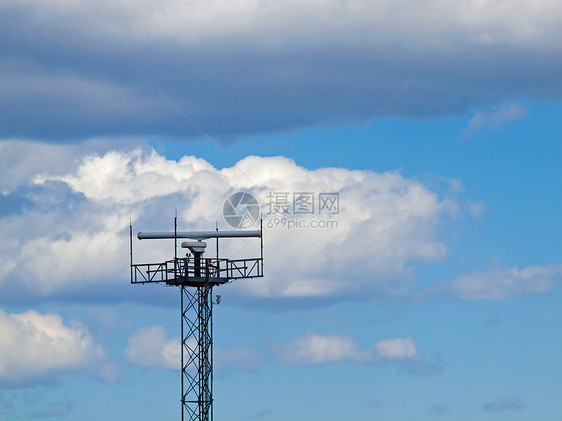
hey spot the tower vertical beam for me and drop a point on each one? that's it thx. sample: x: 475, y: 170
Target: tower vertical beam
x: 197, y: 377
x: 205, y: 342
x: 182, y: 292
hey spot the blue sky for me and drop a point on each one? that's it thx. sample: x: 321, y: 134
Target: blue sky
x: 437, y: 125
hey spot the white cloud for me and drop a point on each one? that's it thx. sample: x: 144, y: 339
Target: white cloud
x: 497, y: 284
x: 149, y: 347
x: 128, y: 178
x: 494, y: 118
x: 321, y: 349
x: 396, y: 348
x: 20, y: 166
x: 72, y: 234
x: 23, y: 161
x: 35, y: 347
x: 314, y: 349
x: 427, y: 24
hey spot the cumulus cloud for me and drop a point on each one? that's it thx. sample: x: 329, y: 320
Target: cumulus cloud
x: 72, y: 234
x: 509, y: 403
x: 36, y: 347
x: 497, y: 284
x: 396, y: 348
x: 321, y: 349
x: 149, y: 347
x: 314, y: 349
x: 317, y: 349
x: 494, y: 118
x: 75, y: 69
x: 22, y: 161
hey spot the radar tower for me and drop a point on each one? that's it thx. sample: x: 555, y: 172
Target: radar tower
x: 196, y: 278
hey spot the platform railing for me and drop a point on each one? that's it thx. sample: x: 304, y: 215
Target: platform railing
x: 178, y: 270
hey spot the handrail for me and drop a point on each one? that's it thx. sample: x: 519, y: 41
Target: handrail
x: 184, y: 269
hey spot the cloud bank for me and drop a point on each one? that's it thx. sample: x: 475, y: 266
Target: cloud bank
x: 35, y: 347
x: 72, y: 70
x: 66, y: 231
x: 65, y: 227
x: 150, y: 347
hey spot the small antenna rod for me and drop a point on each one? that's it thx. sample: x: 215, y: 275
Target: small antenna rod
x: 131, y: 246
x: 176, y: 236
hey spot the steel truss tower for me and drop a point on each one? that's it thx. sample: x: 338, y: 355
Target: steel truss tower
x: 196, y: 276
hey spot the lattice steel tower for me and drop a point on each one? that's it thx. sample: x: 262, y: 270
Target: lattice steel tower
x: 196, y: 276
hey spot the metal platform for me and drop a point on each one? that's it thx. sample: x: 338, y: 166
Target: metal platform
x: 184, y: 271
